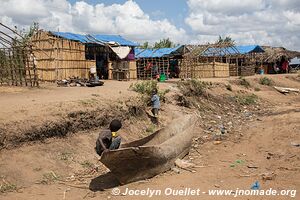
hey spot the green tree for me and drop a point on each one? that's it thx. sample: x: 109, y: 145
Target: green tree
x: 145, y: 45
x: 164, y: 43
x: 226, y: 39
x: 26, y: 36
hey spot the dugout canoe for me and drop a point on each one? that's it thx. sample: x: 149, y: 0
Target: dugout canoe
x: 152, y: 155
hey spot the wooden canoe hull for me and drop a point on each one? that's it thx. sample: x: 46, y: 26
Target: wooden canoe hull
x: 152, y: 155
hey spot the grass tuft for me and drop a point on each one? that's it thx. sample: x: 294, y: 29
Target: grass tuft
x: 266, y: 81
x: 193, y: 87
x: 7, y: 187
x: 246, y: 99
x: 49, y: 177
x: 87, y: 164
x: 244, y: 82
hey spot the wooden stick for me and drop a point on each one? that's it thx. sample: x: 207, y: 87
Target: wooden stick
x: 75, y: 186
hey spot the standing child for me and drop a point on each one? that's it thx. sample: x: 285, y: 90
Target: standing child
x: 155, y: 103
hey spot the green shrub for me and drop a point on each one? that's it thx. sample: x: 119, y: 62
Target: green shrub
x: 193, y: 87
x: 246, y: 99
x: 266, y: 81
x: 244, y: 82
x: 7, y: 187
x: 145, y: 88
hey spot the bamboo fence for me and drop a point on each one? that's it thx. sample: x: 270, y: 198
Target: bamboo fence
x: 58, y: 58
x: 17, y: 66
x: 196, y: 68
x: 148, y: 68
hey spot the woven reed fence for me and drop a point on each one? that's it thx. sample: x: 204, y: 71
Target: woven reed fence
x: 194, y: 68
x: 59, y: 58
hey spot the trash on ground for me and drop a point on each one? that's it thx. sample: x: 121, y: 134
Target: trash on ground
x: 268, y: 176
x: 255, y: 186
x: 286, y: 90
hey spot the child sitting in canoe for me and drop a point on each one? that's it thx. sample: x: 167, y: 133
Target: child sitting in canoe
x: 109, y: 139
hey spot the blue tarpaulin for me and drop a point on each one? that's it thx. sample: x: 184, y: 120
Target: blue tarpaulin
x: 72, y: 36
x: 233, y: 50
x: 154, y: 53
x: 95, y: 38
x: 114, y: 38
x: 250, y: 49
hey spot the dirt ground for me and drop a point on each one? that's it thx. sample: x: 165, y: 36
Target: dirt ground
x: 260, y: 146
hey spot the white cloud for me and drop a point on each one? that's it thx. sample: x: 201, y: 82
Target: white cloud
x: 265, y: 22
x: 229, y: 7
x: 126, y: 19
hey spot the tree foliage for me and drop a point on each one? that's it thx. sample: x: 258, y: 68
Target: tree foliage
x: 26, y: 35
x: 226, y: 39
x: 163, y: 43
x: 145, y: 45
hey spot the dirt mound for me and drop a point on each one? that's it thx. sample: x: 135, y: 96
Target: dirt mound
x: 13, y: 134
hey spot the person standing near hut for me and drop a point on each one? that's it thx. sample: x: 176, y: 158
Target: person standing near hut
x: 285, y: 66
x: 109, y: 139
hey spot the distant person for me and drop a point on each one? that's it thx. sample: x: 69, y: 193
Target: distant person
x: 276, y: 67
x: 155, y: 103
x: 109, y: 139
x: 94, y: 78
x: 285, y: 67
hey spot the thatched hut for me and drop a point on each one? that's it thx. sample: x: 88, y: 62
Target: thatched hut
x: 162, y: 61
x: 274, y: 57
x: 60, y: 55
x: 220, y: 60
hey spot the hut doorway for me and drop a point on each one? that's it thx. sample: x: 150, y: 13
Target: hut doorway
x: 102, y: 66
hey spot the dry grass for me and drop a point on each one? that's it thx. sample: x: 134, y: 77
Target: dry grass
x: 49, y: 177
x: 87, y: 164
x: 257, y: 89
x: 244, y: 82
x: 5, y: 187
x: 193, y: 87
x: 248, y: 99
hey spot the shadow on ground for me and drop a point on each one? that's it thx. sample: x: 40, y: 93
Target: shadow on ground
x: 102, y: 182
x: 153, y: 119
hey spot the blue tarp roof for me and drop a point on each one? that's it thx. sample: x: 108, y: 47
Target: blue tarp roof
x: 250, y: 49
x: 95, y: 38
x: 114, y: 38
x: 154, y: 53
x: 233, y: 50
x: 72, y: 36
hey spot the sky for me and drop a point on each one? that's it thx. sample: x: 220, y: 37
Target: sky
x: 262, y: 22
